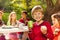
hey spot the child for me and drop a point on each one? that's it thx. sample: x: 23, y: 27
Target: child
x: 24, y: 20
x: 13, y: 22
x: 2, y: 37
x: 56, y: 25
x: 35, y: 33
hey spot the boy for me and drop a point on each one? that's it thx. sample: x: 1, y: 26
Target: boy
x: 37, y: 33
x: 24, y: 20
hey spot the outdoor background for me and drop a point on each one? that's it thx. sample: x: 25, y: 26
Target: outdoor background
x: 49, y: 6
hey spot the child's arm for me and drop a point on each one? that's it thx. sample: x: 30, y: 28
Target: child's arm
x: 43, y: 29
x: 49, y: 31
x: 25, y: 36
x: 56, y: 31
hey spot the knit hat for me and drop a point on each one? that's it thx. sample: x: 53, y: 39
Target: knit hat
x: 36, y: 8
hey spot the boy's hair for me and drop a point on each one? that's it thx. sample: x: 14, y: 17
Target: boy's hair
x: 38, y: 7
x: 24, y: 12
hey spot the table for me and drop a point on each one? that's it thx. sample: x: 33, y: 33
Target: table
x: 11, y: 30
x: 6, y: 31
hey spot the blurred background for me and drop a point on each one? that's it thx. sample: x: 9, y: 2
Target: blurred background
x: 50, y: 7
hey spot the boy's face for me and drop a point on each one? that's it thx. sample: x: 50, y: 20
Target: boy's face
x: 37, y: 15
x: 23, y: 15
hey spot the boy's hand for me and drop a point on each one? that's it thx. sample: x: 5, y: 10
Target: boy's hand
x: 56, y: 31
x: 47, y: 38
x: 44, y: 29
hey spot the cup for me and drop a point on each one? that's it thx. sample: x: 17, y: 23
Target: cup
x: 30, y: 23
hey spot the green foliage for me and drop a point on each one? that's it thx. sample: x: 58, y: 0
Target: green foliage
x: 5, y: 17
x: 19, y: 5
